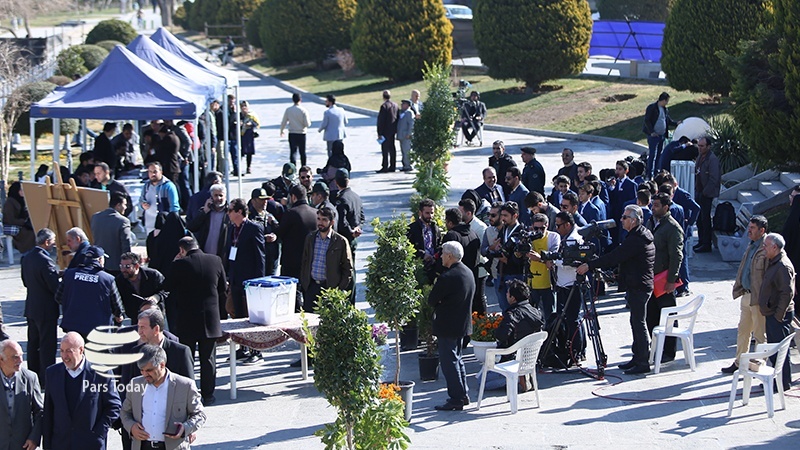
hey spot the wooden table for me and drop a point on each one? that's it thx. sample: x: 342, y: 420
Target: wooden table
x: 264, y: 337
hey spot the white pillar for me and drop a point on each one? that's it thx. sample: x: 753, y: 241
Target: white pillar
x: 195, y: 154
x: 207, y: 144
x: 224, y: 140
x: 56, y: 141
x: 239, y: 140
x: 33, y: 149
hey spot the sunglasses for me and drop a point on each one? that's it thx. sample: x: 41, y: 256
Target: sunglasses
x: 538, y: 228
x: 126, y: 266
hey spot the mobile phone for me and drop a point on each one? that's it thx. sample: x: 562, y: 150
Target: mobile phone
x: 172, y: 429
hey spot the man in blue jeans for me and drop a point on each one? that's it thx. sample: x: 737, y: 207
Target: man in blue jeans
x: 656, y: 124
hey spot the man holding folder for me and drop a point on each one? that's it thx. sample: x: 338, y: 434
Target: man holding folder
x: 635, y: 258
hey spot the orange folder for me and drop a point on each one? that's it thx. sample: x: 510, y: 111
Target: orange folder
x: 659, y: 281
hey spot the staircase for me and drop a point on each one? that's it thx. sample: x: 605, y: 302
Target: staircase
x: 754, y: 194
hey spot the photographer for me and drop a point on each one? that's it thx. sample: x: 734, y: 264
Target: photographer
x: 635, y: 258
x: 511, y: 265
x: 565, y: 279
x: 540, y: 281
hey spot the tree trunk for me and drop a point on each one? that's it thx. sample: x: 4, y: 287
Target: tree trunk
x: 397, y: 355
x: 166, y: 12
x: 10, y: 30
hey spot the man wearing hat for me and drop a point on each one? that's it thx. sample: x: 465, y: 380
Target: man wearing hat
x: 283, y: 184
x: 405, y: 127
x: 320, y: 195
x: 351, y: 217
x: 259, y: 213
x: 533, y: 172
x: 88, y: 295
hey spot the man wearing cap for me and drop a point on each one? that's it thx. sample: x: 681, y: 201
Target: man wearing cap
x: 533, y: 172
x: 351, y: 216
x: 320, y: 195
x: 260, y: 214
x: 283, y: 184
x: 405, y: 127
x: 88, y: 295
x: 333, y: 124
x: 387, y: 129
x: 296, y: 117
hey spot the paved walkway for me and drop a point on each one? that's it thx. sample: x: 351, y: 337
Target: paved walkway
x: 677, y: 408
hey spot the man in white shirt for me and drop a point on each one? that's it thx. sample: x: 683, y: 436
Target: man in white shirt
x: 153, y: 422
x: 298, y: 120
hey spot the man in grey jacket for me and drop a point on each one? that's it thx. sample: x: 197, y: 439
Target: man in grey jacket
x: 112, y: 231
x: 706, y: 189
x: 405, y: 127
x: 20, y: 424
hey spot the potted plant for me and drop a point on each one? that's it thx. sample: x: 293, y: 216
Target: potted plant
x: 346, y: 368
x: 482, y: 338
x: 429, y: 358
x: 380, y: 331
x: 392, y: 288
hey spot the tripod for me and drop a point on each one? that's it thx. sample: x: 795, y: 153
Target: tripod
x: 589, y: 325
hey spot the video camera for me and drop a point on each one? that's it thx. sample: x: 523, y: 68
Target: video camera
x: 572, y: 253
x: 460, y: 96
x: 595, y: 229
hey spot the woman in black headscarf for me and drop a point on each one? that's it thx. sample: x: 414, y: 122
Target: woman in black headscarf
x: 15, y: 212
x: 337, y: 160
x: 162, y: 242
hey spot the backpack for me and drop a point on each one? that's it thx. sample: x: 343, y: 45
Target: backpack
x: 725, y: 218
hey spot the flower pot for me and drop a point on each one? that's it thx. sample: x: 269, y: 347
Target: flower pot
x: 428, y: 367
x: 480, y: 348
x: 407, y: 394
x: 409, y: 338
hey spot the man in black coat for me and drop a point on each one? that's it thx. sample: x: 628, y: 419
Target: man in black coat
x: 656, y: 126
x: 424, y: 236
x: 635, y: 258
x: 168, y: 154
x: 102, y: 180
x: 244, y: 247
x: 533, y: 172
x: 501, y: 161
x: 297, y: 222
x: 451, y: 298
x: 387, y: 129
x: 137, y: 285
x: 350, y: 211
x: 103, y: 150
x: 40, y: 275
x: 460, y: 232
x: 210, y: 223
x: 196, y: 283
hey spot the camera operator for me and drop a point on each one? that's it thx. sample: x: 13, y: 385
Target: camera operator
x: 565, y: 279
x: 472, y: 114
x: 540, y: 281
x: 635, y: 258
x: 511, y: 266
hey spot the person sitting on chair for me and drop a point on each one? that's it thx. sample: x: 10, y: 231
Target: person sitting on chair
x: 472, y: 115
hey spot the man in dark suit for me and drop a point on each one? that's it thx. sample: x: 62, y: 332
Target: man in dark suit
x: 137, y: 285
x: 451, y: 298
x: 79, y: 403
x: 102, y: 180
x: 424, y: 235
x: 210, y: 223
x: 296, y: 223
x: 350, y: 210
x: 387, y: 129
x: 20, y: 424
x: 196, y: 284
x: 500, y: 161
x: 180, y: 359
x: 334, y: 270
x: 40, y: 277
x: 103, y: 150
x: 621, y: 191
x: 246, y: 255
x: 78, y: 243
x: 112, y: 231
x: 490, y: 190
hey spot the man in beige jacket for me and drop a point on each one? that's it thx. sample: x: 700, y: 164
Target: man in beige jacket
x: 177, y: 411
x: 747, y: 284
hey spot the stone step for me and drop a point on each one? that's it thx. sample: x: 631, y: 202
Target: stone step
x: 771, y: 188
x: 790, y: 179
x: 750, y: 197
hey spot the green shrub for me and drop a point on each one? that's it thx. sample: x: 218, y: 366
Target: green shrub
x: 231, y: 12
x: 304, y: 31
x: 194, y: 15
x: 696, y: 30
x: 252, y: 28
x: 180, y: 18
x: 208, y: 13
x: 766, y: 109
x: 93, y: 55
x: 112, y: 30
x: 728, y: 143
x: 533, y: 40
x: 71, y: 63
x: 109, y: 45
x: 644, y: 10
x: 34, y: 92
x: 396, y: 39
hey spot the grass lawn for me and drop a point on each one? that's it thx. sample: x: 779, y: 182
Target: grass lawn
x: 53, y: 19
x: 603, y: 106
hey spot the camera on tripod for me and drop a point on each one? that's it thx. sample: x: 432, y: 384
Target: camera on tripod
x: 572, y: 253
x: 460, y: 96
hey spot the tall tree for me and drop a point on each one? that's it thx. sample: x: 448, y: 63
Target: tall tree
x: 26, y: 9
x: 641, y: 10
x: 533, y: 40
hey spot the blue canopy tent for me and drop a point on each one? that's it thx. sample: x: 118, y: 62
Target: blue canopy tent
x: 195, y: 81
x: 172, y: 44
x: 627, y: 40
x: 123, y: 87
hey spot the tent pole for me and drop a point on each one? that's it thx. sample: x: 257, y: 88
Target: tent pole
x: 239, y: 141
x: 56, y: 139
x: 33, y: 149
x: 224, y: 139
x: 207, y: 143
x: 196, y: 151
x: 83, y: 136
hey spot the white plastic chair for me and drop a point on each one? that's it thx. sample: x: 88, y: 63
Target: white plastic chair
x: 527, y: 350
x: 666, y: 328
x: 766, y: 374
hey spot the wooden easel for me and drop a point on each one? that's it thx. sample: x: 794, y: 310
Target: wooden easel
x: 61, y: 206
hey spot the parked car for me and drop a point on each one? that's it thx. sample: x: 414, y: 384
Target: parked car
x: 457, y: 12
